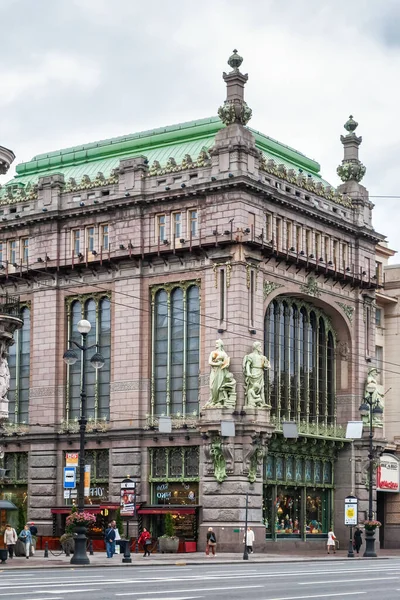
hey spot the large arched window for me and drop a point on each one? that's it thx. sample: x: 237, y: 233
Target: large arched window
x: 175, y: 349
x: 300, y: 344
x: 19, y: 364
x: 96, y: 309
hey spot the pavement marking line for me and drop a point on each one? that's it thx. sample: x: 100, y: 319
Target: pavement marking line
x: 208, y: 590
x: 318, y: 596
x: 365, y: 580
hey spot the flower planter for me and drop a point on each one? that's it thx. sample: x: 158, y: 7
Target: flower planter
x: 370, y: 543
x: 168, y: 544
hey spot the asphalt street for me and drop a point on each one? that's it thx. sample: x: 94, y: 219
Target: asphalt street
x: 289, y: 581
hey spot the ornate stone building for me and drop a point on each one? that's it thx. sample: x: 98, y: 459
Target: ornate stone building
x: 166, y: 241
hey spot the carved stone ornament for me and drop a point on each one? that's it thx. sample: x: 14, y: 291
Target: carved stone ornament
x: 342, y: 350
x: 254, y: 366
x: 218, y: 459
x: 347, y: 309
x: 311, y: 287
x: 253, y: 457
x: 269, y: 287
x: 230, y: 113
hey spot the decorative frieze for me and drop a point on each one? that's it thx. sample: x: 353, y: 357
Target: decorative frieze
x: 347, y: 309
x: 269, y: 287
x: 311, y: 287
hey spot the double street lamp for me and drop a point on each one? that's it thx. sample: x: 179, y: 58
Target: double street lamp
x: 370, y: 408
x: 97, y: 361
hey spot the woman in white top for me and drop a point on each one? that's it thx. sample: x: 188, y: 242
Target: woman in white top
x: 331, y: 541
x: 249, y: 540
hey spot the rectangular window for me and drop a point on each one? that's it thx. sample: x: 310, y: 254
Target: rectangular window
x: 327, y: 252
x: 19, y: 365
x: 222, y: 296
x: 177, y: 225
x: 12, y: 251
x: 278, y: 233
x: 318, y: 253
x: 336, y: 253
x: 289, y: 230
x: 193, y: 223
x: 252, y: 291
x: 89, y: 242
x: 379, y: 272
x: 345, y: 256
x: 268, y: 227
x: 1, y: 255
x: 299, y: 235
x: 76, y: 241
x: 160, y: 228
x: 308, y: 242
x: 25, y: 249
x: 378, y: 317
x: 104, y: 237
x: 379, y: 362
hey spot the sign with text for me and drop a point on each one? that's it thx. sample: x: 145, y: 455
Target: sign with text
x: 128, y: 498
x: 87, y: 480
x: 71, y: 459
x: 387, y: 474
x: 69, y: 478
x: 351, y: 510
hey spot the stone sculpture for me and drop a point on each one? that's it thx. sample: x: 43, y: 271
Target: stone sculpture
x: 373, y: 394
x: 4, y: 384
x: 254, y: 365
x: 222, y: 382
x: 218, y: 459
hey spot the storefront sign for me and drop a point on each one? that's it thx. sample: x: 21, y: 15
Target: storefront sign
x: 71, y: 459
x: 69, y: 478
x: 350, y: 511
x: 387, y: 474
x: 128, y: 498
x: 175, y: 493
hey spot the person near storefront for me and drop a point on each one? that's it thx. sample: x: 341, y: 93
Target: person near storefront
x: 10, y: 539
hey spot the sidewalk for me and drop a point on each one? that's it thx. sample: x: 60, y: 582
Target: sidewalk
x: 99, y: 559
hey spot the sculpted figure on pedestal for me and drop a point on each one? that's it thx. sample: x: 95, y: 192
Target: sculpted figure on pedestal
x: 373, y: 393
x: 254, y: 365
x: 222, y: 383
x: 4, y: 384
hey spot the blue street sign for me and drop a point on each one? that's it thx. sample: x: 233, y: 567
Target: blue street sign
x: 69, y: 478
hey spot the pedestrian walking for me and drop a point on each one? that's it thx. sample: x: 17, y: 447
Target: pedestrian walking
x: 211, y: 542
x: 249, y: 540
x: 145, y: 541
x: 26, y: 537
x: 10, y: 539
x: 117, y: 537
x: 358, y: 539
x: 34, y: 532
x: 110, y: 541
x: 331, y: 542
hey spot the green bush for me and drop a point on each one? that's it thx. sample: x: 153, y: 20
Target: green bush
x: 169, y: 525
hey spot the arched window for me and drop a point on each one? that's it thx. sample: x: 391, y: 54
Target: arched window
x: 19, y: 361
x: 300, y: 344
x: 175, y: 349
x: 96, y: 309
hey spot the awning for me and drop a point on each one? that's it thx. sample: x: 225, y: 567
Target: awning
x: 65, y: 510
x: 163, y: 510
x: 7, y: 505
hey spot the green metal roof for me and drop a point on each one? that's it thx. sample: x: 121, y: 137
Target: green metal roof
x: 157, y: 144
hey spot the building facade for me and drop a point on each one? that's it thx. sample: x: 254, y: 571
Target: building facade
x: 167, y: 241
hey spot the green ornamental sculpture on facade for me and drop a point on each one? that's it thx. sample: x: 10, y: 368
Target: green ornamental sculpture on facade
x: 373, y: 393
x: 222, y: 383
x: 218, y: 459
x: 254, y: 366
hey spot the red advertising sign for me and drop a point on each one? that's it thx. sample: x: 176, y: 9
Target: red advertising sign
x: 387, y: 474
x: 128, y: 498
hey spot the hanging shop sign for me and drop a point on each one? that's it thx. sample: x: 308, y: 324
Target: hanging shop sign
x: 351, y: 510
x: 387, y: 474
x: 87, y: 480
x: 71, y: 459
x: 128, y: 498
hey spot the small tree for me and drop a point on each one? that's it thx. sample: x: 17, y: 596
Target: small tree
x: 169, y: 525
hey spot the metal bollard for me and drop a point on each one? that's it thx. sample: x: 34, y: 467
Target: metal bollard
x: 91, y: 547
x: 127, y: 552
x: 46, y: 550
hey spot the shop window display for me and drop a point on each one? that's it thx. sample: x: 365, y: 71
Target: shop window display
x: 316, y: 512
x: 288, y: 510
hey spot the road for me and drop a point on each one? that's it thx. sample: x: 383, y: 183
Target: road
x: 289, y: 581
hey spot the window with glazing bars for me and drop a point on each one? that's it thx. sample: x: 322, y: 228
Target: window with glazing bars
x: 175, y: 349
x: 96, y: 309
x: 299, y: 342
x: 19, y: 362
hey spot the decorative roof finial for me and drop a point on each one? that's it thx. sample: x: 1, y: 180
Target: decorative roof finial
x: 235, y: 109
x: 235, y: 61
x: 351, y: 168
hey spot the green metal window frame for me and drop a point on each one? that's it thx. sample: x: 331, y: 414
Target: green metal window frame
x: 165, y: 456
x: 300, y: 343
x: 99, y: 461
x: 188, y: 381
x: 19, y: 363
x: 94, y: 377
x: 17, y: 465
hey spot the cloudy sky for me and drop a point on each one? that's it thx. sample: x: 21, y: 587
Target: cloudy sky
x: 75, y: 71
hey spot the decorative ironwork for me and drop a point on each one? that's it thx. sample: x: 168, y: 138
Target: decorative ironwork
x: 10, y: 305
x: 174, y: 464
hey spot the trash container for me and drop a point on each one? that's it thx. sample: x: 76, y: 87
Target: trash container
x: 122, y: 544
x: 3, y: 554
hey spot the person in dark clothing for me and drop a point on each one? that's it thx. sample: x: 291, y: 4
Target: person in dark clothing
x: 211, y: 542
x: 32, y: 528
x: 357, y: 539
x: 110, y: 541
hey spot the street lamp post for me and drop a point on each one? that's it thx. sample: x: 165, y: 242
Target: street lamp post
x: 80, y: 556
x: 370, y: 407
